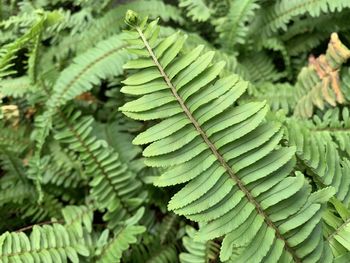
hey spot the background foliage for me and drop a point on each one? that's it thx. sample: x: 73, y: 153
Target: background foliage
x: 99, y: 163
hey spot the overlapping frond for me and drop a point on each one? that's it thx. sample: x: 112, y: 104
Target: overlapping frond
x: 100, y: 62
x: 198, y: 10
x: 198, y: 252
x: 279, y: 96
x: 13, y: 139
x: 278, y: 14
x: 15, y: 87
x: 320, y: 155
x: 336, y: 123
x: 64, y: 168
x: 113, y: 185
x: 260, y: 68
x: 209, y: 142
x: 88, y: 69
x: 47, y: 243
x: 337, y: 230
x: 9, y: 51
x: 111, y: 23
x: 112, y: 251
x: 233, y: 28
x: 159, y: 245
x: 318, y: 84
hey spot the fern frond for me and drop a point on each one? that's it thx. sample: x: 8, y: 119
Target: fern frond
x: 8, y: 52
x: 260, y: 68
x: 78, y: 219
x: 233, y: 28
x: 100, y: 62
x: 197, y: 10
x: 33, y: 58
x: 345, y: 82
x: 336, y: 123
x: 64, y: 169
x: 89, y: 69
x: 337, y: 228
x: 15, y: 87
x: 278, y: 14
x: 14, y: 139
x: 278, y: 96
x: 48, y: 243
x: 111, y: 24
x: 112, y: 251
x: 318, y: 83
x: 277, y: 45
x: 50, y: 207
x: 120, y: 140
x: 200, y: 252
x: 18, y: 193
x: 160, y: 244
x: 320, y: 155
x: 204, y: 138
x: 113, y: 185
x: 12, y: 164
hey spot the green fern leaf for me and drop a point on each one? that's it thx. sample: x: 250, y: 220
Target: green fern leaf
x: 237, y: 173
x: 113, y: 185
x: 233, y: 28
x: 317, y: 151
x: 200, y: 252
x: 112, y: 251
x: 196, y: 9
x: 98, y: 63
x: 337, y: 228
x: 15, y: 87
x: 45, y: 244
x: 278, y: 14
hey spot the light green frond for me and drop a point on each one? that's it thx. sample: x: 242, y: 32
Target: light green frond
x: 48, y: 243
x: 113, y: 186
x: 259, y: 68
x: 112, y: 250
x: 9, y: 51
x: 233, y: 28
x: 278, y: 96
x: 64, y: 169
x: 278, y: 14
x: 198, y: 251
x: 320, y: 155
x: 15, y: 87
x: 89, y: 69
x: 112, y: 23
x: 337, y: 228
x: 234, y: 183
x: 197, y: 10
x: 78, y: 218
x: 336, y: 123
x: 159, y: 244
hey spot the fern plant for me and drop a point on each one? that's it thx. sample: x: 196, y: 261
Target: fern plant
x: 197, y: 131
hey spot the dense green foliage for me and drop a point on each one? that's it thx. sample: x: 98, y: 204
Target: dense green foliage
x: 182, y: 131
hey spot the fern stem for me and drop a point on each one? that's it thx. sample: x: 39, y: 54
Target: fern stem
x: 39, y: 224
x: 214, y: 150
